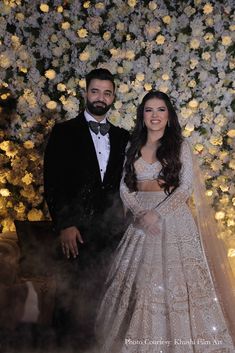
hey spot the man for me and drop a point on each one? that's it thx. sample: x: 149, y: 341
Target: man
x: 82, y: 171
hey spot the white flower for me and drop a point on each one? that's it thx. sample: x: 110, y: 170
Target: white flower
x: 151, y: 29
x: 208, y: 37
x: 86, y: 4
x: 82, y: 33
x: 165, y: 77
x: 15, y: 41
x: 65, y: 25
x: 231, y: 133
x: 206, y: 56
x: 152, y: 5
x: 192, y: 83
x: 54, y: 38
x: 216, y: 166
x: 140, y: 76
x: 4, y: 192
x: 51, y: 105
x: 130, y: 55
x: 120, y: 26
x: 20, y: 16
x: 29, y: 144
x: 57, y: 51
x: 50, y: 74
x: 107, y: 35
x: 27, y: 178
x: 226, y: 40
x: 166, y: 19
x: 131, y: 3
x: 100, y: 6
x: 61, y: 87
x: 193, y: 63
x: 209, y: 21
x: 148, y: 86
x: 219, y: 215
x: 5, y: 60
x: 193, y: 104
x: 163, y: 88
x: 115, y: 117
x: 208, y: 8
x: 35, y: 215
x: 127, y: 123
x: 194, y: 43
x: 216, y: 140
x: 84, y: 56
x: 220, y: 55
x: 118, y: 105
x: 160, y: 39
x: 60, y: 9
x: 189, y: 10
x: 44, y: 7
x: 220, y: 120
x: 123, y: 88
x: 232, y: 164
x: 189, y: 127
x: 186, y: 112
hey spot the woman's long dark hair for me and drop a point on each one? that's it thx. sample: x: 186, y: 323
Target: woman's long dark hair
x: 168, y: 152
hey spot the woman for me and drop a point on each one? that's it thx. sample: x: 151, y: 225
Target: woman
x: 159, y: 295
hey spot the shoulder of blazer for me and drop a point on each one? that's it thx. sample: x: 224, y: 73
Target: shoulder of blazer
x: 72, y: 123
x: 120, y: 131
x: 69, y: 127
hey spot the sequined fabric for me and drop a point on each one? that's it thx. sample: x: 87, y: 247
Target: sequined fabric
x: 159, y: 295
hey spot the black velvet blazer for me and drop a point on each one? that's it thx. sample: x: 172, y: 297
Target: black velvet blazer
x: 74, y: 191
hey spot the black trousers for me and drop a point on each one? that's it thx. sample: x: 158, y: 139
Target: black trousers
x: 79, y: 288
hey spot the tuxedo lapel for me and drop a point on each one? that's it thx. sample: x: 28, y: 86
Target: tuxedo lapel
x: 88, y: 148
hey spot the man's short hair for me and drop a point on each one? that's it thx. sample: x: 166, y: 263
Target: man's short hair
x: 99, y: 74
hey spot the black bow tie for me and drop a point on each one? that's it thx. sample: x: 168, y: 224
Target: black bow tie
x: 98, y: 127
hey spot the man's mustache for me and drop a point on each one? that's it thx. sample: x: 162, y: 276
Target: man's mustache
x: 100, y: 103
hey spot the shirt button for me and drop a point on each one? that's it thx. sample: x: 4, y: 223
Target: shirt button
x: 101, y: 170
x: 99, y: 152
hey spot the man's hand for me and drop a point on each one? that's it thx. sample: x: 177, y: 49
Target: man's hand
x: 69, y: 237
x: 150, y: 221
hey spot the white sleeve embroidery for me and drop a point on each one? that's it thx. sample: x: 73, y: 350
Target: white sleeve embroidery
x: 129, y: 199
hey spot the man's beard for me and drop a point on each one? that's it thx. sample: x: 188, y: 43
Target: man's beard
x: 97, y: 108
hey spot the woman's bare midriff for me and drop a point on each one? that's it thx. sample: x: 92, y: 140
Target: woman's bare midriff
x: 149, y: 185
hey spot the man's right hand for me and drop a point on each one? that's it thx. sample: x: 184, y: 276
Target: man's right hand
x: 68, y: 238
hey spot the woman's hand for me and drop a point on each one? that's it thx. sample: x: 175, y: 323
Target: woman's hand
x: 150, y: 221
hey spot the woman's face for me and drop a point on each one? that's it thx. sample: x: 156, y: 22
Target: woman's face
x: 156, y: 114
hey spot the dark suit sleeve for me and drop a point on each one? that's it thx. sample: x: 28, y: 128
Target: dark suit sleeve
x: 57, y: 187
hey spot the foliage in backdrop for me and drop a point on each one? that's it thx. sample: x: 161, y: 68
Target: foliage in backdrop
x: 184, y: 48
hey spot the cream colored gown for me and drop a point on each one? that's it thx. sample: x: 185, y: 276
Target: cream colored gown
x: 159, y: 295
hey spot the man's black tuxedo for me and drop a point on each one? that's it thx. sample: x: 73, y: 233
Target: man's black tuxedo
x: 74, y: 191
x: 76, y: 196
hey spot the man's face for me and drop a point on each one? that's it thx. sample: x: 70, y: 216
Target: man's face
x: 99, y: 97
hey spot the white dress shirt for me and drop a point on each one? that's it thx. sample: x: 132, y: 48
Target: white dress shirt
x: 102, y: 145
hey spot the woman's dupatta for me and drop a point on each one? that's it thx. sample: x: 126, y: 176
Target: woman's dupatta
x: 214, y: 251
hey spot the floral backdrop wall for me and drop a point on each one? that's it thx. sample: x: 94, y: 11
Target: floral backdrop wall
x: 184, y: 48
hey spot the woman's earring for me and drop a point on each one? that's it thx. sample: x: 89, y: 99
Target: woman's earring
x: 168, y: 123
